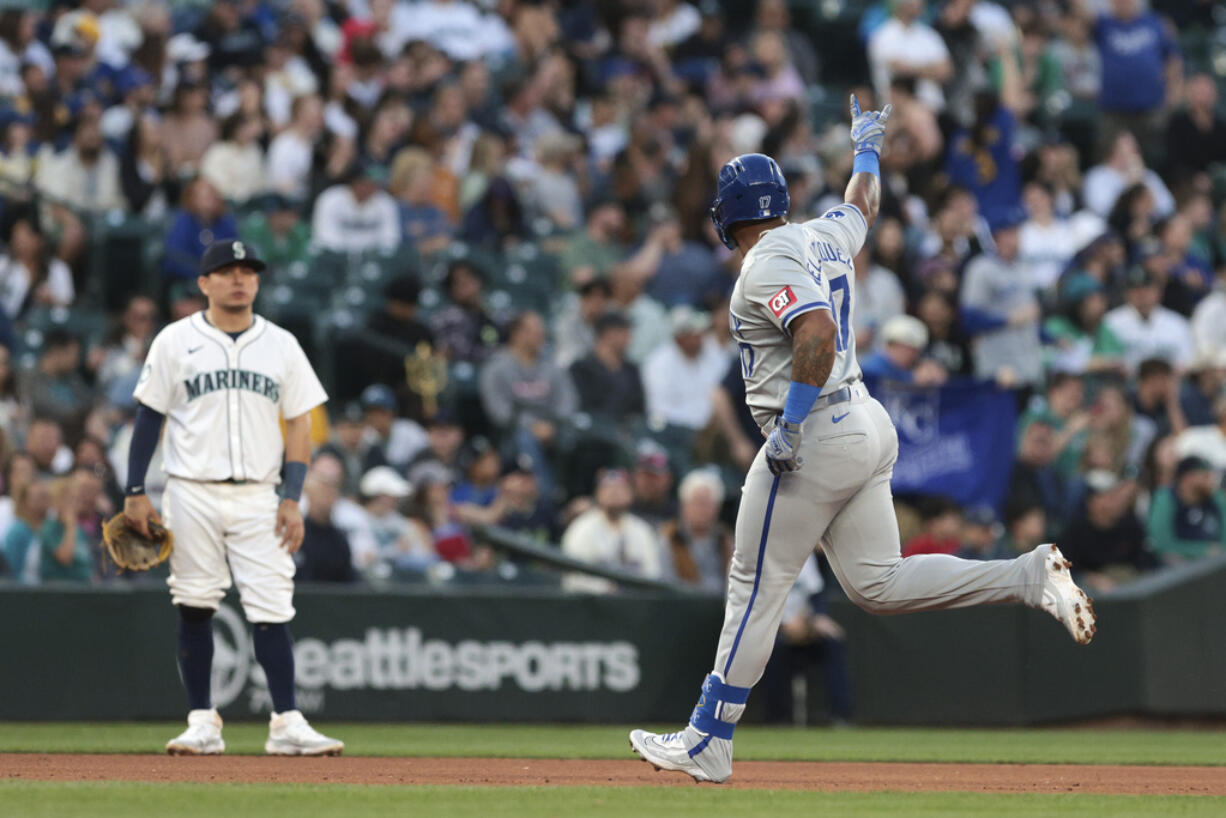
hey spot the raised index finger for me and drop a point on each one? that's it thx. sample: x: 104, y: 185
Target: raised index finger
x: 855, y: 106
x: 886, y: 111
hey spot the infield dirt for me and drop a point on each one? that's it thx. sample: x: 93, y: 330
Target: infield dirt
x: 494, y: 772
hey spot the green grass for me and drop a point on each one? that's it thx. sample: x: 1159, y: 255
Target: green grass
x: 1052, y: 746
x: 126, y: 800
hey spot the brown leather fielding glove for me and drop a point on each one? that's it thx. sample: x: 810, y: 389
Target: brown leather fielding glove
x: 129, y: 549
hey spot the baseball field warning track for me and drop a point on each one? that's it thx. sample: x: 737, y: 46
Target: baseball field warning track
x: 495, y: 772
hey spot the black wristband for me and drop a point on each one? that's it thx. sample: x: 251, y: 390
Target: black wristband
x: 295, y: 476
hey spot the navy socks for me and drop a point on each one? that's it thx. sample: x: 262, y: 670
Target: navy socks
x: 274, y: 650
x: 196, y: 655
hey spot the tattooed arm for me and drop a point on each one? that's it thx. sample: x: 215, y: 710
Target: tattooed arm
x: 813, y: 347
x: 812, y: 359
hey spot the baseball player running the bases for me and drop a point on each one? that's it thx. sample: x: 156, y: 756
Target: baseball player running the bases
x: 223, y: 378
x: 824, y: 472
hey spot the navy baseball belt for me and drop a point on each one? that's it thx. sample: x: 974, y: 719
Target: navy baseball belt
x: 229, y: 480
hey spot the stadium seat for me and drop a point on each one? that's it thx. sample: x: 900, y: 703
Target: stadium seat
x: 1217, y: 173
x: 1196, y: 48
x: 430, y: 301
x: 30, y: 345
x: 312, y: 279
x: 434, y: 272
x: 329, y: 265
x: 499, y: 301
x: 488, y: 263
x: 540, y: 289
x: 360, y: 300
x: 84, y: 322
x: 127, y: 253
x: 290, y: 299
x: 827, y: 106
x: 403, y: 258
x: 370, y: 272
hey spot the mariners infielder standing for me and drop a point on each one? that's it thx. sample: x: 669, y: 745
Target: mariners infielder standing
x: 224, y: 377
x: 824, y: 472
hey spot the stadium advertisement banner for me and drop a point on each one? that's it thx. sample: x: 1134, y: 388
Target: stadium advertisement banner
x: 951, y: 439
x: 488, y: 657
x: 477, y: 655
x: 338, y: 662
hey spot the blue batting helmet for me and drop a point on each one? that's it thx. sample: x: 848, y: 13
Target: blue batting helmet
x: 750, y: 188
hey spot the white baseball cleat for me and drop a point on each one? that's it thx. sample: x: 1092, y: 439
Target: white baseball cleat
x: 704, y: 757
x: 290, y: 735
x: 201, y: 738
x: 1064, y: 600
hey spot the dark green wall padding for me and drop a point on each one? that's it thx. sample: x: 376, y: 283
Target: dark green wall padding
x: 489, y: 655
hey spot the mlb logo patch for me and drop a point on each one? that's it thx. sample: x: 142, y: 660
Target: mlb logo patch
x: 781, y: 300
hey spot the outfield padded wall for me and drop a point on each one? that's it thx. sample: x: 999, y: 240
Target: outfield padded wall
x: 490, y: 655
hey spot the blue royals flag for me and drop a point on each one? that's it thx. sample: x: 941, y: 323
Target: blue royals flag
x: 956, y: 441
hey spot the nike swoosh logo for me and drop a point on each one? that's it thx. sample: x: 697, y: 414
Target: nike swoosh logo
x: 195, y: 349
x: 837, y: 418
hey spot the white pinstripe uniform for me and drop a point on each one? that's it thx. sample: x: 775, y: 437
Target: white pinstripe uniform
x: 223, y: 399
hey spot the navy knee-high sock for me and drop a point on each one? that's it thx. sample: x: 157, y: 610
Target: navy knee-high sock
x: 196, y: 655
x: 274, y: 650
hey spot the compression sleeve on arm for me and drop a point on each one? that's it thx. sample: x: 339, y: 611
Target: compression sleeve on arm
x: 800, y: 400
x: 295, y: 476
x: 145, y: 436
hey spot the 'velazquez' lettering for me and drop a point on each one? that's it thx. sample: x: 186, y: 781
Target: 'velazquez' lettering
x: 826, y: 251
x: 206, y: 382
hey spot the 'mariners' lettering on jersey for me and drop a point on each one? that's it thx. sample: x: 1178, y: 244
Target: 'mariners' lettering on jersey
x: 206, y: 382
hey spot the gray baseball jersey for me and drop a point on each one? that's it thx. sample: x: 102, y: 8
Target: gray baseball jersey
x: 841, y: 496
x: 792, y: 270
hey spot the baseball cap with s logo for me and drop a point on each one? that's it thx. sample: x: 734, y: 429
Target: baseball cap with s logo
x: 229, y: 251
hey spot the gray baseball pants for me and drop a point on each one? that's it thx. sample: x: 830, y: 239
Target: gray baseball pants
x: 841, y: 498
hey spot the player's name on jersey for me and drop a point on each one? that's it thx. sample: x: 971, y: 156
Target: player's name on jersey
x: 826, y: 251
x: 205, y: 382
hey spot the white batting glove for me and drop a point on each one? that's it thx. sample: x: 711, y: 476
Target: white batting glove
x: 781, y: 447
x: 868, y: 127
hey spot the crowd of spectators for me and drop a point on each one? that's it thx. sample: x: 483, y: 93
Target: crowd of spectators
x: 551, y: 354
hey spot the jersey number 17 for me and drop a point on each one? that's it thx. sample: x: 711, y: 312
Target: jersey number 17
x: 840, y: 294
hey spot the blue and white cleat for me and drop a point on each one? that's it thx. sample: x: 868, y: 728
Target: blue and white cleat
x: 704, y: 757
